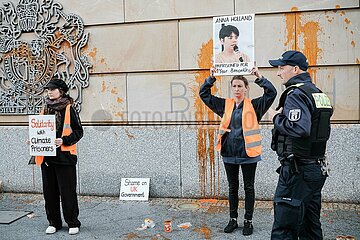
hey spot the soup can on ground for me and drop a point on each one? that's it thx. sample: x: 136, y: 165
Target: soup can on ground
x: 167, y: 226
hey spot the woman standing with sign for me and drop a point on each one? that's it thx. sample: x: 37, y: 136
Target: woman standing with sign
x: 59, y: 172
x: 239, y: 138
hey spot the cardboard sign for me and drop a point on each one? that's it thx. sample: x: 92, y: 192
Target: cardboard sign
x: 234, y: 44
x: 134, y: 189
x: 42, y: 134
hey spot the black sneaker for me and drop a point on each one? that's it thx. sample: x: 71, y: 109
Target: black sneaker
x: 232, y: 225
x: 248, y: 228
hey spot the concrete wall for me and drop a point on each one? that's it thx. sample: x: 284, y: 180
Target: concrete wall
x: 107, y: 154
x: 149, y: 59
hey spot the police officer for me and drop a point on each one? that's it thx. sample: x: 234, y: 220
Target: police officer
x: 301, y: 130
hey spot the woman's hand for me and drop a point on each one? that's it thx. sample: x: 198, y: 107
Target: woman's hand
x: 255, y: 71
x: 212, y: 71
x: 58, y: 142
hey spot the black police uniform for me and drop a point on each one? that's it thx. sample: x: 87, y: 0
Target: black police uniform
x: 299, y: 137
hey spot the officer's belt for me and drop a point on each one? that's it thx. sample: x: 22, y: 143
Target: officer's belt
x: 302, y: 161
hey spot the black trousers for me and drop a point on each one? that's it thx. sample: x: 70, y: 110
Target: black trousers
x: 297, y: 203
x: 59, y: 182
x: 248, y: 172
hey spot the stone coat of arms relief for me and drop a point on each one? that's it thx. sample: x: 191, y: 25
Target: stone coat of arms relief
x: 38, y: 40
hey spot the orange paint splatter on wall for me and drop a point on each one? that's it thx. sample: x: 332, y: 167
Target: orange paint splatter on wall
x: 103, y: 86
x: 357, y: 61
x: 119, y: 100
x: 114, y: 90
x: 353, y: 43
x: 290, y: 30
x: 347, y: 21
x: 205, y: 136
x: 93, y: 53
x: 294, y: 9
x: 337, y: 6
x: 308, y: 33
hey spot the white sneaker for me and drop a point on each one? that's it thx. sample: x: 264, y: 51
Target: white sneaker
x: 73, y: 231
x: 50, y: 230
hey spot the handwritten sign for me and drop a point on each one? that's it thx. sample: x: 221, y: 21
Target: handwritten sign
x: 134, y: 189
x: 42, y: 134
x: 234, y: 44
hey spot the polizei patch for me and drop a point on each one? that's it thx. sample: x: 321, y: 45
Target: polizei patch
x: 294, y: 115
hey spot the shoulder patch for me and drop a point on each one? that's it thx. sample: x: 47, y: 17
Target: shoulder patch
x: 294, y: 114
x: 321, y: 100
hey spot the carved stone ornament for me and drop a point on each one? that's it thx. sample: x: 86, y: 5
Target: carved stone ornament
x: 38, y: 41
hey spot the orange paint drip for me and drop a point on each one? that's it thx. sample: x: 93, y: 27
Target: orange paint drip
x: 309, y: 32
x: 347, y: 21
x: 294, y: 9
x: 205, y: 137
x: 290, y: 30
x: 312, y: 73
x: 353, y: 43
x: 311, y: 48
x: 93, y: 54
x: 357, y: 61
x: 119, y: 100
x: 337, y: 6
x: 103, y: 86
x: 204, y: 230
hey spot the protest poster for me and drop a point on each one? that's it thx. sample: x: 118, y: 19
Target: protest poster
x: 134, y: 189
x: 42, y: 134
x: 233, y: 45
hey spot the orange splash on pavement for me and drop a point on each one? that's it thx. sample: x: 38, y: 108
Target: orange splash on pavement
x: 204, y: 230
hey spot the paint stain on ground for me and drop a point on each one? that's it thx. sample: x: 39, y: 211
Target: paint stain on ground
x: 204, y: 230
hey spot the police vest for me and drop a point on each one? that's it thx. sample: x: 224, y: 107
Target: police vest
x: 251, y: 130
x: 66, y: 132
x: 313, y: 146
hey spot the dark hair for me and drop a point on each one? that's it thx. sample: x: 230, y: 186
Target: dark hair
x: 242, y: 78
x: 226, y: 31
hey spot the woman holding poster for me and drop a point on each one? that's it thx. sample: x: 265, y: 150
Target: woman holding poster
x: 239, y: 140
x: 59, y: 172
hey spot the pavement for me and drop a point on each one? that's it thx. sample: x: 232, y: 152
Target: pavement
x: 109, y: 218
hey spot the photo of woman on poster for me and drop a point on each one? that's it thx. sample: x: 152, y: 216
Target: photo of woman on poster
x: 228, y: 36
x: 233, y: 45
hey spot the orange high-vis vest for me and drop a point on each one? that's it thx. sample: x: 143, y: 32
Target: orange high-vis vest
x: 251, y: 130
x: 66, y: 132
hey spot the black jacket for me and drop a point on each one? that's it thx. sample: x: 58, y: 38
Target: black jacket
x: 65, y: 158
x: 233, y: 144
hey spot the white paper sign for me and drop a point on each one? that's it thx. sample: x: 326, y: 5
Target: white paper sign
x: 42, y: 134
x: 234, y: 45
x: 134, y: 189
